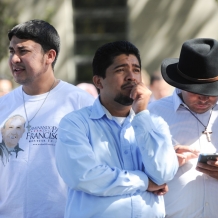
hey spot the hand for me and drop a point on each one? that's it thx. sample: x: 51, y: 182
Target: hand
x: 157, y: 189
x: 140, y: 95
x: 211, y: 168
x: 185, y: 153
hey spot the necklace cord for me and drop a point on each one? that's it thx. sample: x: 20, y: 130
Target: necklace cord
x: 197, y: 117
x: 39, y: 107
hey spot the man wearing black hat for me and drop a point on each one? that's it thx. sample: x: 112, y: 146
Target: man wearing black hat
x: 191, y: 113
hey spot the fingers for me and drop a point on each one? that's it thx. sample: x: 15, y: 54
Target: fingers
x: 154, y: 187
x: 140, y: 92
x: 161, y: 191
x: 185, y: 148
x: 140, y: 95
x: 181, y: 159
x: 211, y: 171
x: 185, y: 157
x: 211, y: 165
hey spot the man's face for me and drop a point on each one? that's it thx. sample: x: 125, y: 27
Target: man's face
x: 198, y: 103
x: 27, y: 60
x: 120, y: 78
x: 13, y: 131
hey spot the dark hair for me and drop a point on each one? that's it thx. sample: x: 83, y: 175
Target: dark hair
x: 105, y: 55
x: 39, y: 31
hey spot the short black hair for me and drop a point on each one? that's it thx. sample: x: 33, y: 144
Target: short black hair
x: 40, y: 32
x: 105, y: 55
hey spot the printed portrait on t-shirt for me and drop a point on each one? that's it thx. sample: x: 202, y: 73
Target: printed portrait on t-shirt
x: 11, y: 132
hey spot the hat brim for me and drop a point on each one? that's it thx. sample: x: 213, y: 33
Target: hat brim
x: 171, y: 76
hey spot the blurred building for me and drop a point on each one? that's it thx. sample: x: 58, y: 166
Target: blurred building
x: 157, y: 28
x: 96, y: 22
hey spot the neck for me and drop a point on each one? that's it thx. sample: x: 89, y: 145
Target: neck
x: 116, y: 109
x: 40, y: 87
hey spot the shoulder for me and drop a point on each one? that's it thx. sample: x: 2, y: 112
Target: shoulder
x: 161, y: 104
x: 11, y: 96
x: 77, y: 96
x: 78, y: 120
x: 81, y: 115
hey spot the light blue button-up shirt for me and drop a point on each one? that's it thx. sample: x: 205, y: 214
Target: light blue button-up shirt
x: 107, y: 165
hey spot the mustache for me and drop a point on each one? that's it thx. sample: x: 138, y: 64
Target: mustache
x: 203, y: 103
x: 129, y: 84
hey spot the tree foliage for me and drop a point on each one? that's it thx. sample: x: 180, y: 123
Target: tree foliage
x: 8, y: 19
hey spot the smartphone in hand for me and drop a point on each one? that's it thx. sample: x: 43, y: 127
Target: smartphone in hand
x: 203, y: 158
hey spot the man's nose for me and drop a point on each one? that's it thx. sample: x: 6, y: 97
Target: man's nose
x: 15, y: 58
x: 131, y: 75
x: 203, y: 97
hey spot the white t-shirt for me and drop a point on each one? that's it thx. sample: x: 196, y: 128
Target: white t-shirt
x: 192, y: 194
x: 30, y: 186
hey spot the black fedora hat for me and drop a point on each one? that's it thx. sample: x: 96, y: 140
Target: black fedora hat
x: 196, y: 70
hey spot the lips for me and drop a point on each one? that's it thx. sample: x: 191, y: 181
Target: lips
x: 13, y: 137
x: 17, y: 70
x: 202, y: 106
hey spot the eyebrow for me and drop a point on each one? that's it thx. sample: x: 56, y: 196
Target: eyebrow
x: 19, y: 47
x: 123, y: 65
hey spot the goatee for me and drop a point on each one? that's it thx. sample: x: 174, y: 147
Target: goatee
x: 124, y: 100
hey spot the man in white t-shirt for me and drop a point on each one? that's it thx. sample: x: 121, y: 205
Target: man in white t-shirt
x: 192, y: 113
x: 29, y: 116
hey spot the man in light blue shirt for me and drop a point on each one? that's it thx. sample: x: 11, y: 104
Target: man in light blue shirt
x: 115, y: 158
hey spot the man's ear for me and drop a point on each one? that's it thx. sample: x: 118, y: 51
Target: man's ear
x: 97, y: 82
x: 51, y: 54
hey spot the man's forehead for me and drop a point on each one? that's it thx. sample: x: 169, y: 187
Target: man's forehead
x: 15, y: 118
x: 126, y: 58
x: 21, y: 43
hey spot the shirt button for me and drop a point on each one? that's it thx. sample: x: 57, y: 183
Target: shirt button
x: 206, y: 203
x: 125, y: 152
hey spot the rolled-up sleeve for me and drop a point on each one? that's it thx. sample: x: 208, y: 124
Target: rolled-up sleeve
x: 155, y: 144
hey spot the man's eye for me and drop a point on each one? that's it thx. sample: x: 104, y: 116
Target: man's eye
x: 137, y: 70
x: 119, y: 70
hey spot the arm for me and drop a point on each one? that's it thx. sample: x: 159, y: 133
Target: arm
x: 153, y: 138
x: 80, y: 169
x: 154, y: 141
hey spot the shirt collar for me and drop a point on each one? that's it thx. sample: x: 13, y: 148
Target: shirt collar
x: 97, y: 110
x: 177, y: 101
